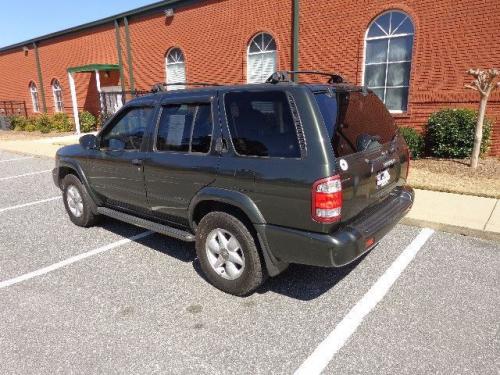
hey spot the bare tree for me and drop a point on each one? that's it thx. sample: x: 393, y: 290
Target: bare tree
x: 484, y: 83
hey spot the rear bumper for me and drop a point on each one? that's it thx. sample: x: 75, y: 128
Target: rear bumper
x: 348, y: 242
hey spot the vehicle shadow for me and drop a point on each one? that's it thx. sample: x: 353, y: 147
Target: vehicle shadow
x: 300, y: 282
x: 177, y: 249
x: 306, y: 283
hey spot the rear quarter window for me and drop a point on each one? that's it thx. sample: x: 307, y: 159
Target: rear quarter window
x: 261, y: 124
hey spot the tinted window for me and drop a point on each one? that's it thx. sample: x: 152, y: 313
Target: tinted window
x: 128, y: 131
x: 328, y: 106
x: 352, y: 117
x: 185, y: 128
x: 261, y: 124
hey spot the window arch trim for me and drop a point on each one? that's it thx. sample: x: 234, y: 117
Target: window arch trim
x: 390, y: 33
x: 33, y: 88
x: 55, y: 84
x: 266, y: 47
x: 175, y: 59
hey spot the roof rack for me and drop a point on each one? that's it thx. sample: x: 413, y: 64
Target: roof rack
x: 161, y: 87
x: 284, y: 76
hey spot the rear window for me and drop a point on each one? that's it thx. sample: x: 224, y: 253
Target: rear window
x: 261, y: 124
x: 353, y: 117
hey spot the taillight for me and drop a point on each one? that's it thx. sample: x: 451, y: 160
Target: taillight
x: 408, y: 162
x: 326, y: 203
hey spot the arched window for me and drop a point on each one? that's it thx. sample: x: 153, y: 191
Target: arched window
x: 34, y: 97
x: 388, y: 50
x: 175, y: 68
x: 261, y: 58
x: 57, y: 94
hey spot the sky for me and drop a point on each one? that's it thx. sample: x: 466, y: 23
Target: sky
x: 25, y: 19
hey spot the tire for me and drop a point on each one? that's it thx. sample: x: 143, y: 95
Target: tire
x: 77, y: 202
x: 224, y: 269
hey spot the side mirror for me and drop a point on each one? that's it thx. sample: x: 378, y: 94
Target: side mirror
x: 88, y: 142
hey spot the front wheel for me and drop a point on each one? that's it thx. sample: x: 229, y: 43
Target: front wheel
x: 77, y: 202
x: 228, y: 254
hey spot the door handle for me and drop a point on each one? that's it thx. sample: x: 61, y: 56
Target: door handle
x: 137, y: 162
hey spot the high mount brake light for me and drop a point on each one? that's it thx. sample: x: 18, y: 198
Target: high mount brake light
x: 326, y: 203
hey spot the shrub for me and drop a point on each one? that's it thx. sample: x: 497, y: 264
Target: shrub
x: 43, y: 123
x: 414, y: 140
x: 62, y: 123
x: 88, y: 122
x: 18, y: 122
x: 103, y: 117
x: 450, y: 133
x: 30, y: 125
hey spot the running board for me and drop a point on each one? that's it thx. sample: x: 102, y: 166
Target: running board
x: 147, y: 224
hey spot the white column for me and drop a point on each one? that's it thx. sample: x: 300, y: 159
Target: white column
x: 98, y: 84
x: 74, y: 102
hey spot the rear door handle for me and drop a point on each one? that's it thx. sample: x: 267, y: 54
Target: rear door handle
x: 137, y: 162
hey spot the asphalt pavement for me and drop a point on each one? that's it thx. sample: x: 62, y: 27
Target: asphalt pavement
x: 89, y: 301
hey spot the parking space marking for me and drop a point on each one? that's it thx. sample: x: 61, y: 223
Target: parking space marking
x: 24, y: 175
x: 29, y: 204
x: 326, y: 350
x: 16, y: 159
x: 76, y: 258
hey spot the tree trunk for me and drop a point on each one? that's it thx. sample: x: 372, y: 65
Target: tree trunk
x: 478, y: 137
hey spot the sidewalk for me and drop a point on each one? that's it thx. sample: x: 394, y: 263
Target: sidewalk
x: 464, y: 214
x: 456, y: 213
x: 39, y: 147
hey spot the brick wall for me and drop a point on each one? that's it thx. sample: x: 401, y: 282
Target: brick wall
x: 450, y: 37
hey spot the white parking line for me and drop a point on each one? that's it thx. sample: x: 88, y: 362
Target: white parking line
x: 76, y: 258
x: 324, y: 353
x: 24, y: 175
x: 28, y: 204
x: 16, y: 159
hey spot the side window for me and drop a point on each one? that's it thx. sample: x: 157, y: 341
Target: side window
x: 261, y: 124
x: 128, y: 131
x: 185, y: 128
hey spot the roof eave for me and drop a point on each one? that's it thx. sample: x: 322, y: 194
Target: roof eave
x: 99, y: 22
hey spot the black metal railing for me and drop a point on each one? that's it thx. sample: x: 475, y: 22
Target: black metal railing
x: 13, y: 108
x: 111, y: 101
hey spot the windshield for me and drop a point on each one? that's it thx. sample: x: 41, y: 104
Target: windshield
x: 355, y: 121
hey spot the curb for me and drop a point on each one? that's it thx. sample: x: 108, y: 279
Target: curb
x: 464, y: 231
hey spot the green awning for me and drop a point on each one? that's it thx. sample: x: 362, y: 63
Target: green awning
x: 93, y: 68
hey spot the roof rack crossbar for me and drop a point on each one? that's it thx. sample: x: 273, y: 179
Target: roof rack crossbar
x: 284, y: 76
x: 160, y: 87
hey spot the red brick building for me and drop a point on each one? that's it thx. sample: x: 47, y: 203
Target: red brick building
x: 413, y: 53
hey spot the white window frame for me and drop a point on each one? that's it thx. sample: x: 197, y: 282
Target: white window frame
x: 261, y: 53
x: 58, y: 102
x: 387, y: 62
x: 34, y: 97
x: 176, y: 63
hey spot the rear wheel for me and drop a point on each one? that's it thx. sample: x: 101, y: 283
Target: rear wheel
x: 77, y: 202
x: 228, y: 254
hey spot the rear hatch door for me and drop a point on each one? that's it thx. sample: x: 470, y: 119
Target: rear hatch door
x: 371, y: 157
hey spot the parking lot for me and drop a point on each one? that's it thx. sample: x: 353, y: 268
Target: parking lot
x: 117, y: 299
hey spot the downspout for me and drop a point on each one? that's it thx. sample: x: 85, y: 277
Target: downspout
x: 295, y: 54
x: 120, y: 62
x: 129, y: 55
x: 40, y: 77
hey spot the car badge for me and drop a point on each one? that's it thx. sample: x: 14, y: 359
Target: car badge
x: 343, y: 165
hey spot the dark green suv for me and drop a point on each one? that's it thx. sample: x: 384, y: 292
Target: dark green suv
x: 259, y: 176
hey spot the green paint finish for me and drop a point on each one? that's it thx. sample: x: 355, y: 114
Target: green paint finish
x: 119, y: 52
x: 296, y: 19
x: 40, y: 77
x: 129, y: 55
x: 92, y: 68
